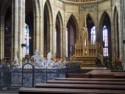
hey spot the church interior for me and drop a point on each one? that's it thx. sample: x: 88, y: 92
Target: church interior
x: 76, y: 46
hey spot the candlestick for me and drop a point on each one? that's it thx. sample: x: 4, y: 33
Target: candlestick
x: 85, y: 20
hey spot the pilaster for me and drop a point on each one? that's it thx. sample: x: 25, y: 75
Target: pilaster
x: 18, y: 21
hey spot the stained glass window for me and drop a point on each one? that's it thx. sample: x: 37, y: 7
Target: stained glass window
x: 26, y: 39
x: 93, y: 35
x: 105, y: 41
x: 66, y: 42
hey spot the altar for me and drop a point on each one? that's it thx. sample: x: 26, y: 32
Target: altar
x: 85, y: 51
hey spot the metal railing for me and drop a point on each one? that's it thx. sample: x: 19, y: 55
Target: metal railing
x: 27, y: 77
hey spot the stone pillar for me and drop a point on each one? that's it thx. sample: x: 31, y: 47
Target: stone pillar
x: 22, y: 27
x: 36, y: 29
x: 63, y: 42
x: 52, y: 39
x: 122, y: 18
x: 18, y: 20
x: 41, y: 27
x: 2, y: 38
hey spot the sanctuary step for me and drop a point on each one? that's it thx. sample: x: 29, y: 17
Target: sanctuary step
x: 87, y: 62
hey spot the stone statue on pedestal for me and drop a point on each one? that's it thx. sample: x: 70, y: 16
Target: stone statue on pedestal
x: 37, y: 60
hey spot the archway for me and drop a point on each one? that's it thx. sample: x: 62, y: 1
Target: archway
x: 47, y: 27
x: 7, y: 34
x: 105, y: 28
x: 91, y: 29
x: 28, y: 32
x: 71, y: 36
x: 58, y: 34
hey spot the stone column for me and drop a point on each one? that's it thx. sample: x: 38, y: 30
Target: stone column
x: 36, y: 29
x: 122, y: 18
x: 64, y: 42
x: 2, y: 38
x: 18, y: 20
x: 61, y: 42
x: 21, y: 28
x: 52, y: 39
x: 41, y: 27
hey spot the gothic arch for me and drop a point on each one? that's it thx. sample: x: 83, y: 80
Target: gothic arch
x: 105, y: 20
x: 90, y: 24
x: 104, y: 14
x: 29, y: 21
x: 60, y: 17
x: 5, y: 9
x: 89, y: 15
x: 71, y: 33
x: 35, y: 16
x: 5, y: 5
x: 48, y: 24
x: 59, y: 33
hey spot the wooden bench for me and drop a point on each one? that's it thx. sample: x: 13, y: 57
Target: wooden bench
x: 92, y: 79
x: 77, y: 75
x: 119, y: 74
x: 81, y: 86
x: 86, y: 82
x: 25, y: 90
x: 89, y: 75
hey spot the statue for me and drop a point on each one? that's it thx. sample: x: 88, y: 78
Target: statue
x: 15, y: 63
x: 49, y: 61
x: 49, y: 56
x: 37, y: 59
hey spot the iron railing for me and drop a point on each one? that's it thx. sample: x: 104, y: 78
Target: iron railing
x: 14, y: 78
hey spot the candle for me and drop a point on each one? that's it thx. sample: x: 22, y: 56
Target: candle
x: 85, y: 20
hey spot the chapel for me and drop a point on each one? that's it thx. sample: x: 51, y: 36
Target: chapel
x: 90, y: 33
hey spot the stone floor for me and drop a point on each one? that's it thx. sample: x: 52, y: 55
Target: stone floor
x: 8, y: 92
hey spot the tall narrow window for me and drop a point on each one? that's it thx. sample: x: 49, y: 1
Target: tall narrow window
x: 93, y: 35
x: 26, y: 39
x: 66, y: 42
x: 105, y: 41
x: 56, y: 39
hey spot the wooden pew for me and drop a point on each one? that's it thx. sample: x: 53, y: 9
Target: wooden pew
x: 92, y: 79
x: 81, y: 86
x: 118, y: 74
x: 86, y: 82
x: 77, y: 75
x: 25, y: 90
x: 97, y: 74
x: 89, y: 75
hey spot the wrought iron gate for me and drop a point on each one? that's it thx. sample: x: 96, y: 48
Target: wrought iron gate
x: 28, y: 75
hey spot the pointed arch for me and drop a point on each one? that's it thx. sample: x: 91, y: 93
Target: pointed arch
x: 49, y: 8
x: 58, y: 34
x: 73, y: 20
x: 48, y: 24
x: 7, y: 34
x: 60, y: 17
x: 29, y: 30
x: 104, y: 19
x: 5, y: 5
x: 91, y: 27
x: 71, y: 35
x: 5, y: 21
x: 105, y: 31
